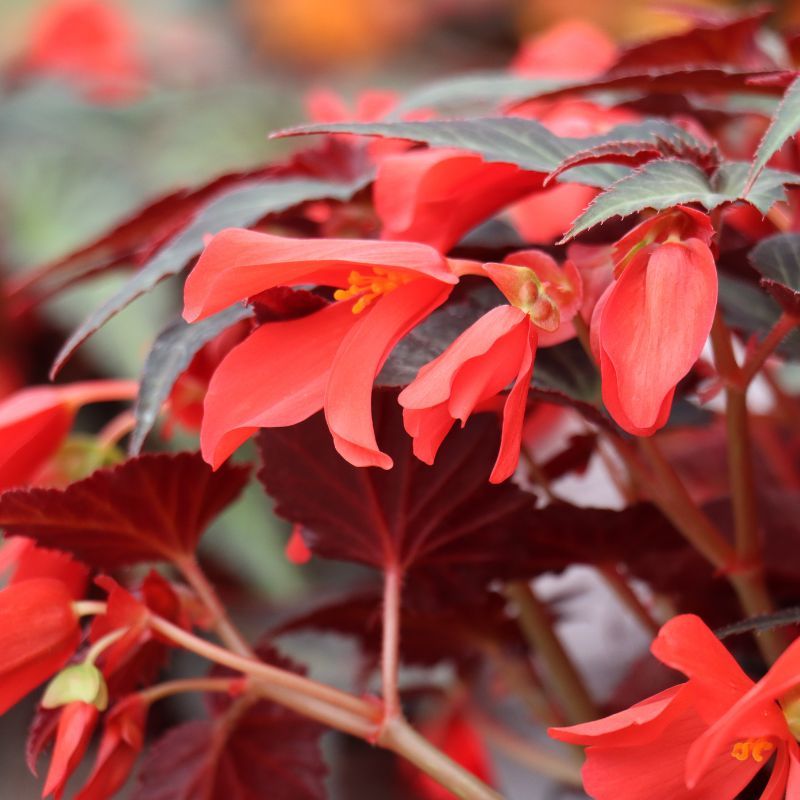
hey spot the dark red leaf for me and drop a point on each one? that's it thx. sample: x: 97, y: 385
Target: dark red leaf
x: 250, y: 749
x: 151, y: 508
x: 133, y: 239
x: 627, y: 153
x: 429, y: 519
x: 682, y: 80
x: 573, y: 458
x: 429, y: 635
x: 723, y: 40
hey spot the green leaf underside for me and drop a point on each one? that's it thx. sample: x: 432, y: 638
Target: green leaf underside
x: 785, y: 123
x: 778, y: 259
x: 240, y: 207
x: 669, y: 182
x: 172, y: 352
x: 510, y: 140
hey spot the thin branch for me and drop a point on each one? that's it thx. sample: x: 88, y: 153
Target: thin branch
x: 562, y: 675
x: 227, y: 631
x: 392, y: 591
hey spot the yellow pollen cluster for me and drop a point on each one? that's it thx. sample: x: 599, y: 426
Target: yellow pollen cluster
x: 752, y: 748
x: 370, y: 287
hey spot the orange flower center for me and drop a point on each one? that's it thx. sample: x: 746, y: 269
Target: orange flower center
x: 752, y: 748
x: 368, y: 288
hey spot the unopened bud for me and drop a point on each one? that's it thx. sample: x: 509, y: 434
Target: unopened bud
x: 80, y: 682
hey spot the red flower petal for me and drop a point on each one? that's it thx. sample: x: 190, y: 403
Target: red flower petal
x: 514, y: 414
x: 573, y: 48
x: 39, y: 633
x: 653, y: 326
x: 275, y: 377
x: 75, y: 727
x: 123, y: 740
x: 358, y: 360
x: 238, y: 264
x: 436, y: 196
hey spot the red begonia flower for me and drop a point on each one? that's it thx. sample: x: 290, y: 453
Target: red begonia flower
x: 35, y: 421
x: 572, y: 49
x: 650, y: 326
x: 76, y: 724
x: 24, y: 561
x: 39, y: 633
x: 436, y: 196
x: 122, y: 741
x: 702, y: 740
x: 286, y: 371
x: 495, y: 351
x: 92, y: 44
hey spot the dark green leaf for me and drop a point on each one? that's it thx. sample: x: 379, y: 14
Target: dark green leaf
x: 670, y: 182
x: 777, y: 260
x: 754, y: 312
x: 241, y: 207
x: 172, y: 352
x: 785, y: 123
x: 510, y: 140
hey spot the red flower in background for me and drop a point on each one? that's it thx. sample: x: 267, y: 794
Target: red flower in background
x: 704, y: 739
x: 493, y: 352
x: 457, y: 738
x: 436, y: 196
x: 651, y: 324
x: 572, y: 49
x: 35, y: 421
x: 286, y: 371
x: 76, y: 725
x: 39, y: 633
x: 90, y: 43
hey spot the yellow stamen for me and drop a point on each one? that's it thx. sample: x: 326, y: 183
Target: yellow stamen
x: 752, y: 748
x: 368, y: 288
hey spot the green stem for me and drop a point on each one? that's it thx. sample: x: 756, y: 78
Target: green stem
x: 566, y: 681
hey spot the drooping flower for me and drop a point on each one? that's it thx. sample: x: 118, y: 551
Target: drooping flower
x: 704, y: 739
x: 76, y: 724
x: 286, y: 371
x: 90, y: 43
x: 495, y: 351
x: 120, y: 745
x: 35, y: 421
x: 39, y: 632
x: 651, y: 324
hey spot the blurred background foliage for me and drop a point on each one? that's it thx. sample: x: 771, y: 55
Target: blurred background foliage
x: 216, y: 76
